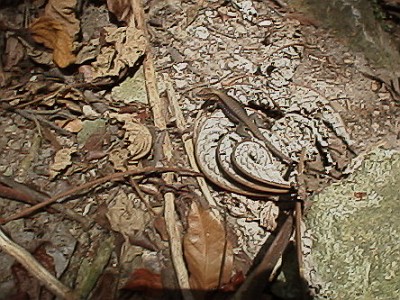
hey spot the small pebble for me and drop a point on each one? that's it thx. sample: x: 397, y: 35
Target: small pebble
x: 265, y: 23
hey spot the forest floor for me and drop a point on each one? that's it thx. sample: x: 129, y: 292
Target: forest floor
x: 145, y: 192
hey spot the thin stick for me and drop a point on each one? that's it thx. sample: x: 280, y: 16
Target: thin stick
x: 254, y: 284
x: 93, y: 183
x: 298, y: 210
x: 35, y: 268
x: 221, y: 269
x: 287, y: 46
x: 42, y: 120
x: 142, y: 197
x: 188, y: 145
x: 26, y: 194
x: 159, y: 108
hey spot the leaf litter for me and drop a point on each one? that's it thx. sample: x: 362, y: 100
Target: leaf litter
x: 88, y: 124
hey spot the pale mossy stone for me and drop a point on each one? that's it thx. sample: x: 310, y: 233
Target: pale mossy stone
x: 132, y: 89
x: 356, y: 242
x: 90, y: 127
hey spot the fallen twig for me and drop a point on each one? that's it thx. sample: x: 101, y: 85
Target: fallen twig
x: 287, y: 46
x: 188, y: 145
x: 254, y: 284
x: 301, y: 193
x: 37, y: 118
x: 35, y: 268
x: 21, y: 192
x: 93, y: 183
x: 142, y: 197
x: 158, y: 109
x: 43, y: 121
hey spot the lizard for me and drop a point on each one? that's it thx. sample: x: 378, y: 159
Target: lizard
x: 207, y: 147
x: 235, y: 112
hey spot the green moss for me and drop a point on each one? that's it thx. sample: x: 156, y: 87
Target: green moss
x: 91, y: 269
x: 356, y: 247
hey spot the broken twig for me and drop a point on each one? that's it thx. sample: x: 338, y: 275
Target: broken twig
x: 35, y: 268
x: 22, y: 192
x: 93, y: 183
x: 253, y: 286
x: 158, y: 108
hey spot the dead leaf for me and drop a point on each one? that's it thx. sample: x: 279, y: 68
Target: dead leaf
x: 127, y: 219
x: 53, y: 35
x: 71, y: 105
x: 74, y: 125
x: 64, y: 12
x: 51, y: 137
x: 161, y: 227
x: 26, y: 283
x: 204, y: 246
x: 132, y: 89
x: 91, y: 127
x: 14, y: 53
x: 89, y: 112
x: 122, y: 9
x: 124, y: 217
x: 96, y: 141
x: 118, y: 157
x: 86, y: 71
x: 139, y: 136
x: 144, y: 280
x: 123, y: 47
x: 268, y: 215
x: 234, y: 283
x: 62, y: 160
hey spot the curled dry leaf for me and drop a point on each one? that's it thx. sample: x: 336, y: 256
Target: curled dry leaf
x: 124, y: 217
x: 57, y: 29
x: 204, y: 246
x: 122, y: 9
x: 14, y: 53
x: 52, y: 34
x: 123, y: 47
x: 74, y: 125
x: 64, y: 12
x: 139, y: 136
x: 25, y: 283
x: 268, y: 215
x: 119, y: 157
x: 62, y: 160
x: 144, y: 280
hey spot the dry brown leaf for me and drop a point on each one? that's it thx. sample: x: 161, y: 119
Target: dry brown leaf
x: 74, y: 125
x: 62, y: 160
x: 71, y: 105
x: 122, y: 9
x: 64, y: 12
x: 268, y: 215
x: 14, y: 53
x: 138, y: 135
x: 204, y: 245
x: 124, y: 46
x: 124, y: 217
x: 52, y: 34
x: 118, y: 157
x: 146, y: 281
